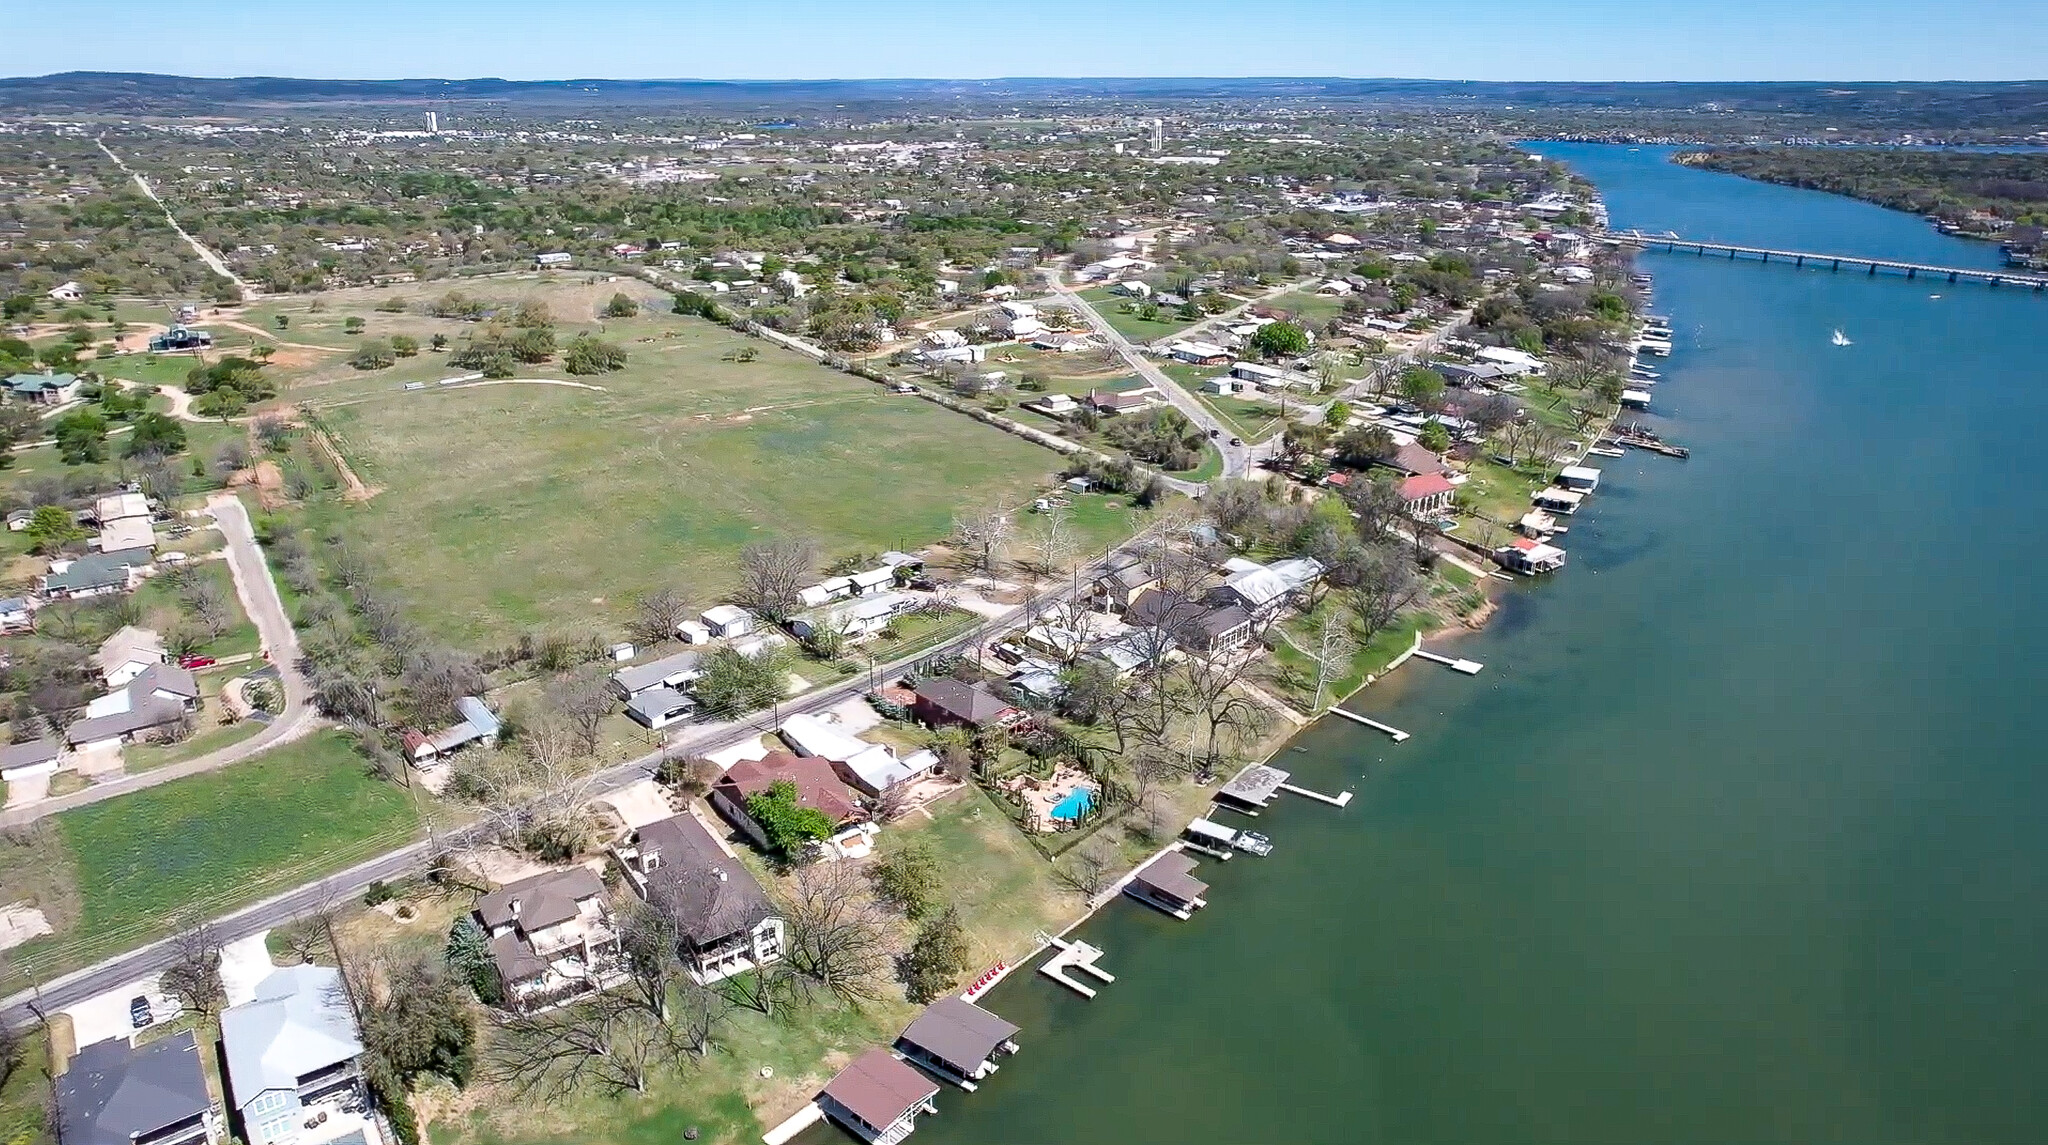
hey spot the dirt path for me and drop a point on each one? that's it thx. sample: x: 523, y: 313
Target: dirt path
x: 357, y: 491
x: 532, y: 382
x: 271, y: 336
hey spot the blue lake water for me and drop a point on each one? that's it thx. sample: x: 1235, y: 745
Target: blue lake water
x: 1740, y: 835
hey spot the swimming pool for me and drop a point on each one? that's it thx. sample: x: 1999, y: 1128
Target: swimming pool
x: 1075, y: 805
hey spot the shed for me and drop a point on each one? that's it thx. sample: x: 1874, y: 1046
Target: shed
x: 879, y: 1097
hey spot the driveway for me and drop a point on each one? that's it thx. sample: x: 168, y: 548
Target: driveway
x: 244, y: 963
x: 105, y: 1015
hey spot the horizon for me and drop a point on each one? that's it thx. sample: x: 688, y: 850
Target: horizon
x: 1500, y: 41
x: 1191, y: 77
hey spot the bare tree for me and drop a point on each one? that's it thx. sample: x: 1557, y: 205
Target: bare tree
x: 193, y: 977
x: 1388, y: 585
x: 610, y: 1041
x: 582, y: 699
x: 658, y: 614
x: 983, y: 532
x: 1052, y: 541
x: 435, y: 677
x: 209, y: 604
x: 1334, y: 649
x: 840, y: 937
x: 1086, y: 871
x: 772, y: 573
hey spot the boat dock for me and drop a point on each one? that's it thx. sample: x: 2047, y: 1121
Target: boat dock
x: 1251, y: 788
x: 1337, y: 800
x: 1074, y: 956
x: 1396, y: 733
x: 1468, y: 667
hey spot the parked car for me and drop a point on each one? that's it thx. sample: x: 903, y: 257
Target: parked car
x: 191, y: 662
x: 138, y: 1011
x: 1237, y: 441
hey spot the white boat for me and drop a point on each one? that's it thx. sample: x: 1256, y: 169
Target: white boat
x: 1841, y: 339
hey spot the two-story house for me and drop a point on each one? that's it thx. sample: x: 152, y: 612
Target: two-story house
x: 294, y: 1061
x: 724, y: 922
x: 552, y: 936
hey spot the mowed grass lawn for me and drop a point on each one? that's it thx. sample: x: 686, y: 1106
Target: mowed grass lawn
x: 511, y: 507
x: 205, y: 844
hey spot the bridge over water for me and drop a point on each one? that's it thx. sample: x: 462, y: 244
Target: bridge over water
x: 1835, y: 262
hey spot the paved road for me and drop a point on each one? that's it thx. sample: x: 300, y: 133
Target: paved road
x: 1238, y: 460
x: 280, y: 643
x: 695, y: 741
x: 206, y: 255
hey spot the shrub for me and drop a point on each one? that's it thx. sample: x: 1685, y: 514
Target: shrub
x: 373, y: 355
x: 587, y: 355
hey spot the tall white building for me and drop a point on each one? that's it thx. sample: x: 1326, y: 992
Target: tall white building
x: 1158, y: 136
x: 433, y: 124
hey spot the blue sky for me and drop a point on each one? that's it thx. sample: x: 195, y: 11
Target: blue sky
x: 808, y: 39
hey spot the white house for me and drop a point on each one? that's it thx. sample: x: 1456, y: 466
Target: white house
x: 69, y: 292
x: 1518, y: 362
x: 1583, y: 478
x: 728, y: 620
x: 128, y: 653
x: 945, y: 339
x: 551, y: 259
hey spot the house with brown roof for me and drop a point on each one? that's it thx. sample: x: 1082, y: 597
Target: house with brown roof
x: 943, y: 700
x: 879, y: 1097
x: 1191, y: 623
x: 817, y: 786
x: 957, y: 1040
x: 723, y: 920
x: 160, y: 697
x: 1168, y: 883
x: 552, y: 936
x: 1416, y: 461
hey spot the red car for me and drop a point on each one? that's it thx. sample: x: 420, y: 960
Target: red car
x: 190, y: 662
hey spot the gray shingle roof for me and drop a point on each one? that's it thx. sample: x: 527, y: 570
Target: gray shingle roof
x: 114, y: 1093
x: 709, y: 893
x: 544, y: 900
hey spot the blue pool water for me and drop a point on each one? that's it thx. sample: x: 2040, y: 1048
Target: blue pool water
x: 1075, y: 805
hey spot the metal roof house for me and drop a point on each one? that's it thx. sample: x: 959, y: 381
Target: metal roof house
x: 293, y: 1057
x: 117, y: 1094
x: 667, y: 672
x: 42, y: 389
x: 957, y: 1040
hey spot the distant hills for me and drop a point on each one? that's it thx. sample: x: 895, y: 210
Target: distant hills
x: 2012, y: 104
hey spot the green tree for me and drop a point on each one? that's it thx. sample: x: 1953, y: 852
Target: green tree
x: 223, y: 404
x: 155, y: 434
x: 1279, y: 339
x: 623, y: 306
x: 372, y: 355
x: 789, y: 825
x: 50, y: 527
x: 1433, y: 436
x: 587, y: 355
x: 284, y: 321
x: 909, y: 878
x: 404, y: 345
x: 1337, y: 415
x: 352, y: 325
x: 937, y: 958
x: 1364, y: 445
x: 733, y: 685
x: 81, y: 437
x: 1424, y: 387
x: 468, y: 955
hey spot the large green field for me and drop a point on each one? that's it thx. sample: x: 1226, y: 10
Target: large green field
x: 141, y: 864
x: 506, y: 507
x: 1130, y: 323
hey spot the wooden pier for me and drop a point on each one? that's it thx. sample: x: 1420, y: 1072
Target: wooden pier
x: 1468, y: 667
x: 1074, y: 956
x: 1835, y: 262
x: 1396, y: 733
